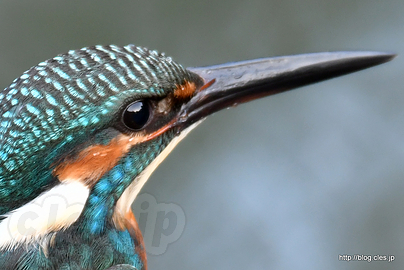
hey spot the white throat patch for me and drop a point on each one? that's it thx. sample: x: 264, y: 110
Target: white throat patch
x: 53, y: 210
x: 124, y: 203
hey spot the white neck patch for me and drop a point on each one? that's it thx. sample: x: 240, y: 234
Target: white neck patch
x: 124, y: 203
x: 53, y: 210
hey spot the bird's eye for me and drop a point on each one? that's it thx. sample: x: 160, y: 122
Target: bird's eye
x: 136, y: 115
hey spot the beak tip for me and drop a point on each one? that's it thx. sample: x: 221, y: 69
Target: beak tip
x: 347, y: 62
x: 378, y: 57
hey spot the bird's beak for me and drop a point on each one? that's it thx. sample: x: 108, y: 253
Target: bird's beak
x: 234, y: 83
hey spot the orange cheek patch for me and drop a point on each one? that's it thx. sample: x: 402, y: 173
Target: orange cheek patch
x: 94, y: 161
x: 185, y: 90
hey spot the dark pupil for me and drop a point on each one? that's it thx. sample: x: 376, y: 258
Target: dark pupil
x: 136, y: 115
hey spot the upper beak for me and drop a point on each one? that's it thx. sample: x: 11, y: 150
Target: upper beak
x: 234, y: 83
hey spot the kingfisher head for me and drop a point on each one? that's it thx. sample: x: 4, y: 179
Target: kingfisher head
x: 91, y: 125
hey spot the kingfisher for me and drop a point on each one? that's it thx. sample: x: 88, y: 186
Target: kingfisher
x: 81, y: 133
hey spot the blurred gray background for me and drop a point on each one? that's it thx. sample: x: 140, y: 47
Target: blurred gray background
x: 286, y: 182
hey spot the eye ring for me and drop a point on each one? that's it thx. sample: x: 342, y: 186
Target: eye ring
x: 136, y: 115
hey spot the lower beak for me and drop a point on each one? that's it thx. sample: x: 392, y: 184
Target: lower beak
x: 234, y: 83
